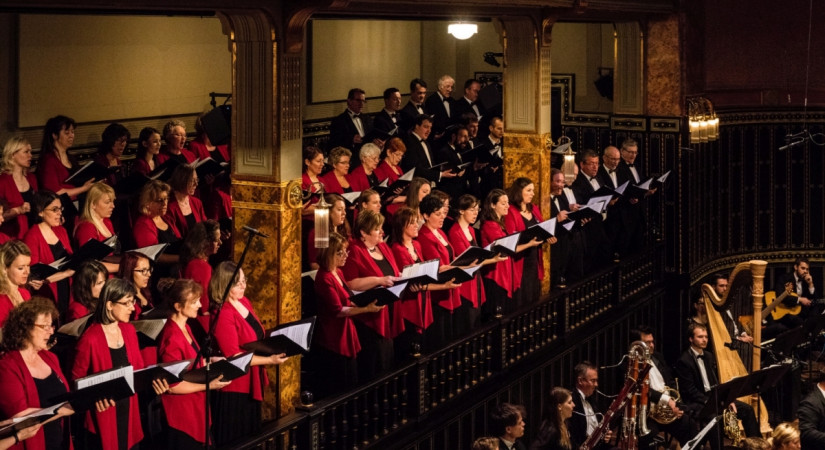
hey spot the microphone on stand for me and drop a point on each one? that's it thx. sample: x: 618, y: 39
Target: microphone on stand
x: 792, y: 145
x: 255, y: 231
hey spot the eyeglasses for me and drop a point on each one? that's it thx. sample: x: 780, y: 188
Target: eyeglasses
x: 49, y: 327
x: 193, y: 181
x: 162, y: 200
x: 145, y: 272
x: 56, y: 209
x: 342, y: 252
x: 127, y: 303
x: 241, y: 282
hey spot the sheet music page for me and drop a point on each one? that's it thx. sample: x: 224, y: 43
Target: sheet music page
x: 126, y: 372
x: 47, y: 411
x: 408, y: 175
x: 662, y: 178
x: 646, y: 184
x: 620, y: 189
x: 242, y: 362
x: 602, y: 199
x: 310, y: 274
x: 472, y: 270
x: 384, y: 184
x: 549, y: 226
x: 298, y: 334
x: 174, y: 368
x: 569, y: 225
x: 397, y: 289
x: 509, y: 242
x: 149, y: 327
x: 351, y: 197
x: 429, y: 268
x: 112, y: 241
x: 74, y: 327
x: 56, y: 264
x: 80, y: 170
x: 151, y: 251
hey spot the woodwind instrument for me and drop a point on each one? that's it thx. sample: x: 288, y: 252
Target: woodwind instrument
x: 639, y: 350
x: 629, y: 441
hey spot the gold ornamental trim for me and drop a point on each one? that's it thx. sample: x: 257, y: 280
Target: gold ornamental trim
x: 255, y: 206
x: 294, y: 195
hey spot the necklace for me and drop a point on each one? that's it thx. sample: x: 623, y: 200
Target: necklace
x: 372, y: 250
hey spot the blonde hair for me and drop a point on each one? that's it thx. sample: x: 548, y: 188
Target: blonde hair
x: 8, y: 253
x: 97, y: 191
x: 486, y: 443
x: 150, y: 193
x: 13, y: 145
x: 784, y: 433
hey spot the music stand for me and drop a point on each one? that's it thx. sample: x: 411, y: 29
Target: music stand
x: 761, y: 381
x: 786, y: 341
x: 719, y: 397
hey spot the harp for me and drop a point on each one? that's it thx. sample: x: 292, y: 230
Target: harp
x: 744, y: 297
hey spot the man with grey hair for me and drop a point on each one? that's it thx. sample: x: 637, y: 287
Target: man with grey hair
x: 440, y: 104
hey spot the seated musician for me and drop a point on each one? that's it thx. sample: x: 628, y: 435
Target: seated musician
x: 800, y: 283
x: 697, y: 373
x: 660, y: 378
x: 735, y: 330
x: 507, y: 421
x: 586, y: 413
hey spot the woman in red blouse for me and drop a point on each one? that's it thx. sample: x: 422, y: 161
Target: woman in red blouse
x: 363, y: 177
x: 371, y: 264
x: 111, y: 342
x: 462, y: 236
x: 174, y: 132
x: 238, y: 406
x: 335, y: 334
x: 15, y: 258
x: 528, y: 265
x: 214, y: 191
x: 30, y: 374
x: 150, y: 228
x: 17, y: 187
x: 95, y: 219
x: 185, y: 210
x: 203, y: 241
x: 136, y: 268
x: 185, y: 406
x: 498, y: 278
x: 416, y: 191
x: 415, y: 306
x: 54, y: 165
x: 113, y: 142
x: 48, y: 242
x: 87, y: 283
x: 310, y: 179
x: 147, y: 151
x: 337, y: 224
x: 336, y: 181
x: 435, y: 245
x: 390, y: 167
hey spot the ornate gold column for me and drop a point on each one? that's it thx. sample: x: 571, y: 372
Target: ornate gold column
x: 265, y: 180
x: 527, y: 111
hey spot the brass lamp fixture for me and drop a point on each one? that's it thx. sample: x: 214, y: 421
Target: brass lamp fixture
x: 702, y: 120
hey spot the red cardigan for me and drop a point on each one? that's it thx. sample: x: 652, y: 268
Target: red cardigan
x: 358, y: 179
x: 201, y: 272
x: 76, y: 310
x: 431, y: 248
x: 360, y: 264
x: 92, y: 356
x: 41, y: 252
x: 514, y: 223
x: 18, y: 391
x: 385, y: 172
x: 175, y: 217
x: 232, y: 331
x: 146, y: 232
x: 142, y: 167
x: 331, y: 184
x: 501, y: 272
x: 469, y: 290
x: 85, y: 231
x: 18, y: 226
x: 415, y: 307
x: 336, y: 334
x: 51, y: 173
x: 199, y: 149
x: 184, y: 412
x: 6, y: 305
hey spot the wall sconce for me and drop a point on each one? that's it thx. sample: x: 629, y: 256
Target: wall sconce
x: 568, y: 167
x: 461, y: 30
x: 321, y: 217
x: 702, y: 120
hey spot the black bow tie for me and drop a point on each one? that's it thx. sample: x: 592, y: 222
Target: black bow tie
x: 472, y: 104
x: 630, y: 165
x: 423, y: 141
x: 702, y: 356
x: 446, y: 99
x: 392, y: 115
x: 354, y: 115
x: 611, y: 171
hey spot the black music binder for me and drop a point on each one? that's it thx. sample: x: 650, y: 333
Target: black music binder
x: 172, y: 372
x: 231, y: 368
x: 292, y: 338
x: 383, y: 295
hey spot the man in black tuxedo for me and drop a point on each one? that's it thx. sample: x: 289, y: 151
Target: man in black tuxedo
x: 802, y: 284
x: 491, y: 158
x: 598, y: 248
x: 633, y: 215
x: 469, y: 103
x: 660, y: 377
x: 507, y: 423
x: 566, y: 258
x: 608, y: 176
x: 586, y: 412
x: 440, y: 106
x: 812, y: 416
x: 451, y: 153
x: 419, y: 154
x: 349, y: 128
x: 415, y: 107
x: 389, y: 118
x: 697, y: 373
